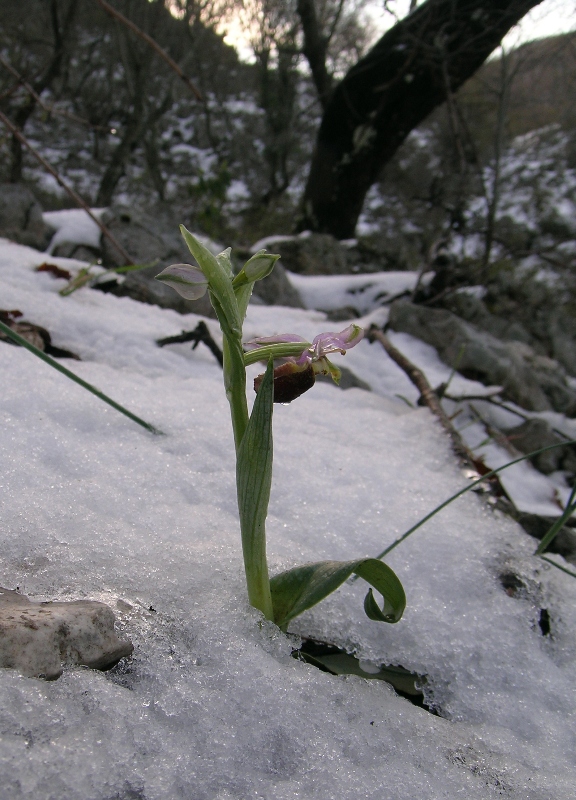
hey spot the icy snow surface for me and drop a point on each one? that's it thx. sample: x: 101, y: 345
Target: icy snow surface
x: 212, y: 706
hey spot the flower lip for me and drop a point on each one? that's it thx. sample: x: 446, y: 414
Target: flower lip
x: 331, y: 342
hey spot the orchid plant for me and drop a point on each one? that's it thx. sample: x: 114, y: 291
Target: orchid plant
x: 288, y: 594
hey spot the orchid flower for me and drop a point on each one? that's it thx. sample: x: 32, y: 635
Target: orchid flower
x: 289, y: 593
x: 304, y: 360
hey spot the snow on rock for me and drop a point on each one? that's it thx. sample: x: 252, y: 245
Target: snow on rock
x: 74, y: 225
x: 361, y: 292
x: 211, y: 705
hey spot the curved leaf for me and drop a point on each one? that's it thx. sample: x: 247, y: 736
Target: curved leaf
x: 302, y: 587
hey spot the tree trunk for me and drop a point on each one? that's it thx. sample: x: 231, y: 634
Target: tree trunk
x: 315, y: 47
x: 388, y: 93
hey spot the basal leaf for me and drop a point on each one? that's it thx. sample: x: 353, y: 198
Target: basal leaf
x: 302, y: 587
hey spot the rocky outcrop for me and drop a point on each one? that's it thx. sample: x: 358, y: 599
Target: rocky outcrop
x: 155, y: 239
x: 533, y: 381
x: 39, y: 639
x: 21, y: 217
x: 534, y: 434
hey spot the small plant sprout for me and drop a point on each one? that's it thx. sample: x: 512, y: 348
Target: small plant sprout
x: 288, y: 594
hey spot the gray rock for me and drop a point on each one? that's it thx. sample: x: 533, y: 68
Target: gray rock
x: 276, y: 289
x: 38, y: 639
x: 140, y: 285
x: 147, y: 238
x: 79, y: 251
x: 473, y: 310
x: 534, y: 382
x: 537, y: 433
x: 21, y: 217
x: 311, y: 254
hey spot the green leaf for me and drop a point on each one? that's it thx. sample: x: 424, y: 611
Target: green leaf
x: 253, y: 481
x: 300, y: 588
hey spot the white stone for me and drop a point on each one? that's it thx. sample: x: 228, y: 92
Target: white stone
x: 39, y: 639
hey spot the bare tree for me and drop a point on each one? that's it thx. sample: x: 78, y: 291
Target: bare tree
x: 39, y: 49
x: 388, y: 93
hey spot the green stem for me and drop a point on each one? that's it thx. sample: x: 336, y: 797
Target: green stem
x: 24, y: 343
x: 558, y: 566
x: 235, y: 386
x: 279, y: 350
x: 252, y: 529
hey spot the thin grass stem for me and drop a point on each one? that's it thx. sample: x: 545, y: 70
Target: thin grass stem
x: 558, y: 566
x: 467, y: 489
x: 552, y: 533
x: 24, y: 343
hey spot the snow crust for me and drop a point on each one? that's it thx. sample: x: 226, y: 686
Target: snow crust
x: 212, y: 706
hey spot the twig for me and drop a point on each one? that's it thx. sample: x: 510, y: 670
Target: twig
x: 199, y: 334
x: 76, y: 197
x: 427, y: 394
x: 495, y: 434
x: 488, y: 398
x: 153, y: 44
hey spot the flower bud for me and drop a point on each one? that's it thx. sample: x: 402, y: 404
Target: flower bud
x: 260, y: 265
x: 189, y: 281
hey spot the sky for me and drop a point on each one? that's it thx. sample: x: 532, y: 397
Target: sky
x: 550, y: 18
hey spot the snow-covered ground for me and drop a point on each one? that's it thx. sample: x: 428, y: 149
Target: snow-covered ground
x: 212, y: 706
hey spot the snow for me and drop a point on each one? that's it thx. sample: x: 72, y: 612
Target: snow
x: 212, y: 706
x: 361, y: 292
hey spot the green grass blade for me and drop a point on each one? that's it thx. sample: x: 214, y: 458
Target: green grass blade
x: 300, y: 588
x: 558, y: 566
x: 24, y: 343
x: 553, y: 532
x: 468, y: 488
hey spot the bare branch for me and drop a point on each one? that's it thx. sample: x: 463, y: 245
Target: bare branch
x: 153, y: 44
x: 76, y: 197
x: 49, y: 108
